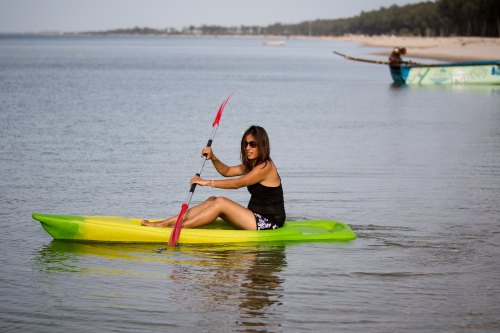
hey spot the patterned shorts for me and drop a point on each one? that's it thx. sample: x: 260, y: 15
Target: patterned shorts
x: 265, y: 223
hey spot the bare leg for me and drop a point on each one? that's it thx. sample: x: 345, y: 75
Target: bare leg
x: 208, y: 211
x: 169, y: 222
x: 228, y: 210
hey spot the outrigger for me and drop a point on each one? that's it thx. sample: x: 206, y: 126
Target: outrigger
x: 409, y: 72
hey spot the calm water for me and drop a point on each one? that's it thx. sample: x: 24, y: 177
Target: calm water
x: 114, y: 126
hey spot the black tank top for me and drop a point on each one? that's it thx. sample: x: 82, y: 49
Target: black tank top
x: 267, y: 201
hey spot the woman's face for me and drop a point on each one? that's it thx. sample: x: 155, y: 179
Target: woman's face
x: 251, y: 149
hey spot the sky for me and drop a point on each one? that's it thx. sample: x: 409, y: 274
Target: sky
x: 97, y: 15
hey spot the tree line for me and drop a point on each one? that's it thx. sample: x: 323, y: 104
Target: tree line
x: 439, y: 18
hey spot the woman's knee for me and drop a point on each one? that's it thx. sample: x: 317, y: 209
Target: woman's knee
x: 211, y: 199
x: 221, y: 201
x: 216, y: 202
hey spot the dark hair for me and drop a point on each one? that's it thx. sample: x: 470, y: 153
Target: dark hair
x: 263, y: 145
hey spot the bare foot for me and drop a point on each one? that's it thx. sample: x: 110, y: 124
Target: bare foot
x: 160, y: 224
x: 146, y: 223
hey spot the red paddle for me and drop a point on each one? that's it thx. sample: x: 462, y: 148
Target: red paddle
x: 176, y: 231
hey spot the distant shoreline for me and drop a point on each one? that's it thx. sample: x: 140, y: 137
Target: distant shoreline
x: 437, y: 48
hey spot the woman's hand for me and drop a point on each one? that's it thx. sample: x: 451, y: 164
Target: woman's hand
x: 199, y: 181
x: 208, y: 152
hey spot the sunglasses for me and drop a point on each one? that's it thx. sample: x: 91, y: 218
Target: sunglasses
x: 252, y: 144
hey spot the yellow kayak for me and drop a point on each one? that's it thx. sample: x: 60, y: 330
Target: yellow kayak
x: 129, y: 230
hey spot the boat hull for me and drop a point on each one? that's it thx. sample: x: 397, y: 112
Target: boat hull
x: 484, y: 72
x: 129, y: 230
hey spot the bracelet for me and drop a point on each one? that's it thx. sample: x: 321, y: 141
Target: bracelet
x: 212, y: 183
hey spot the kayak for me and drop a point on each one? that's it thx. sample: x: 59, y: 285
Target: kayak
x: 129, y: 230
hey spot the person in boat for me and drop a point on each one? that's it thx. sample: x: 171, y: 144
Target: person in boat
x: 266, y: 209
x: 395, y: 57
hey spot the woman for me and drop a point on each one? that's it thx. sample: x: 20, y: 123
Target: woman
x: 266, y: 209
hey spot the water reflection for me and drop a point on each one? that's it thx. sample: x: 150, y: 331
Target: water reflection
x: 244, y: 283
x: 67, y: 256
x: 223, y: 287
x: 482, y: 89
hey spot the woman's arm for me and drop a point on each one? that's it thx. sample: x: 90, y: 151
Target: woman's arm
x: 223, y: 169
x: 258, y: 174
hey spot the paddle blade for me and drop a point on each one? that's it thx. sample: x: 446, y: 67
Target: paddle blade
x: 219, y: 113
x: 176, y: 231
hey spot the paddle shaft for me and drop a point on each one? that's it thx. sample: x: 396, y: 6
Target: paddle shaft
x: 176, y: 231
x: 193, y: 186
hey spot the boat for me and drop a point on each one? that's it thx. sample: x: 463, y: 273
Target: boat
x: 413, y: 73
x: 477, y: 72
x: 274, y: 43
x: 119, y: 229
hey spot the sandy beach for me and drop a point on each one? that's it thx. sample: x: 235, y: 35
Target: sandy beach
x: 439, y: 48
